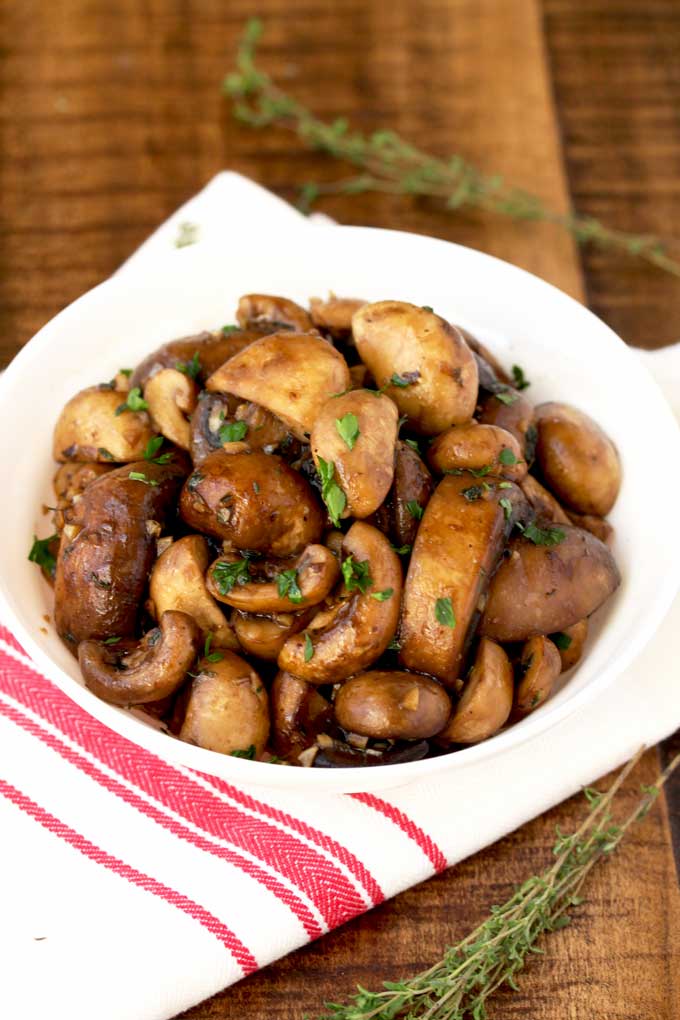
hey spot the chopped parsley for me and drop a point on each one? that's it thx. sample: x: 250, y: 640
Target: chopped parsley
x: 413, y: 444
x: 382, y: 596
x: 357, y: 576
x: 402, y: 550
x: 287, y: 586
x: 249, y: 753
x: 472, y: 493
x: 348, y: 429
x: 563, y: 641
x: 127, y: 372
x: 309, y: 648
x: 207, y: 654
x: 507, y: 457
x: 111, y: 640
x: 443, y: 610
x: 507, y: 507
x: 403, y: 379
x: 40, y: 554
x: 543, y: 536
x: 521, y: 381
x: 152, y: 448
x: 415, y: 509
x: 233, y: 432
x: 139, y: 476
x: 226, y: 575
x: 134, y: 402
x: 476, y: 472
x: 256, y: 488
x: 191, y: 368
x: 230, y: 329
x: 106, y: 454
x: 331, y: 493
x: 504, y: 485
x: 506, y: 396
x: 394, y: 645
x: 427, y: 308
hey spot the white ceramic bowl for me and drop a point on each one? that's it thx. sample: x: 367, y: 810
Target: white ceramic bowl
x: 567, y: 353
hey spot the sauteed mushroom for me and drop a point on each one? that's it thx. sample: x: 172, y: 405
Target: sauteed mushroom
x: 171, y: 396
x: 486, y: 700
x: 258, y: 586
x: 96, y: 425
x: 393, y: 705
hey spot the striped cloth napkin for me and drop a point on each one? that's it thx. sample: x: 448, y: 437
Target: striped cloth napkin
x: 133, y: 888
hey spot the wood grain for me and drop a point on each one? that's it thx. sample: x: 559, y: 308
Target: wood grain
x: 111, y: 116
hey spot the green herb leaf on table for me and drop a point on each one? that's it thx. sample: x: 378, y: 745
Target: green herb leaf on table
x: 331, y: 493
x: 40, y: 553
x: 233, y: 432
x: 288, y: 587
x: 133, y: 402
x: 357, y: 576
x: 443, y: 610
x: 227, y: 575
x: 348, y: 429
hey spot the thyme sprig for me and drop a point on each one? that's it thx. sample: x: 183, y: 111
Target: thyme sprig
x: 391, y: 165
x: 459, y: 985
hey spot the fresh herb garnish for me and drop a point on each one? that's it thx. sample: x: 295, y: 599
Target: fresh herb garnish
x: 134, y: 402
x: 139, y: 476
x: 413, y: 443
x: 472, y: 493
x: 40, y: 554
x: 475, y: 472
x: 427, y: 308
x: 348, y: 429
x: 521, y: 381
x: 256, y: 488
x: 191, y: 368
x: 331, y: 493
x: 249, y: 753
x: 382, y: 596
x: 152, y: 448
x: 106, y: 454
x: 563, y: 641
x: 504, y: 485
x: 543, y: 536
x: 443, y: 610
x: 127, y: 372
x: 357, y: 576
x: 402, y: 550
x: 226, y: 575
x: 309, y: 648
x: 402, y: 379
x: 507, y: 507
x: 394, y: 645
x: 207, y: 654
x: 233, y: 432
x: 287, y: 586
x: 111, y: 640
x: 506, y: 396
x: 415, y: 509
x: 507, y: 457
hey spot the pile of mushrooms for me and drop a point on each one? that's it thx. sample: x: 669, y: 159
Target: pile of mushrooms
x: 328, y: 537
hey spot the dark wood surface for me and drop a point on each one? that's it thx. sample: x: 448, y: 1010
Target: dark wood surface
x: 111, y: 115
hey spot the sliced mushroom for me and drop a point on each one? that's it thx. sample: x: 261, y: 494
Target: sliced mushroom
x: 177, y: 582
x: 265, y: 636
x: 544, y: 503
x: 399, y: 516
x: 274, y: 312
x: 474, y: 447
x: 147, y: 671
x: 201, y: 354
x: 542, y: 589
x: 577, y: 459
x: 334, y: 315
x: 459, y: 543
x: 228, y: 708
x: 275, y: 587
x: 265, y: 431
x: 354, y: 631
x: 299, y: 714
x: 357, y: 432
x: 509, y: 410
x: 172, y: 396
x: 392, y: 705
x: 570, y: 643
x: 291, y: 374
x: 486, y: 701
x: 90, y: 429
x: 539, y: 667
x: 107, y: 549
x: 421, y: 361
x: 212, y: 410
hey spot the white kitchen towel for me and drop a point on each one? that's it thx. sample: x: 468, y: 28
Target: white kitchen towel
x: 131, y: 888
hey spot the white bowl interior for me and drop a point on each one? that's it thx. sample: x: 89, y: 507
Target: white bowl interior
x: 566, y: 352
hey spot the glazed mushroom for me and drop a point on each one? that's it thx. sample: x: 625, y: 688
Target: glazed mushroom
x: 228, y: 708
x: 252, y: 501
x: 480, y: 448
x: 543, y: 589
x: 334, y: 315
x: 357, y: 432
x: 570, y: 643
x: 171, y: 396
x: 392, y: 705
x: 177, y: 582
x: 70, y: 482
x: 299, y: 714
x: 544, y: 503
x: 96, y: 425
x: 486, y: 701
x: 273, y: 312
x: 509, y: 410
x: 147, y: 671
x: 291, y: 374
x: 265, y: 636
x: 207, y: 420
x: 539, y: 667
x: 355, y: 631
x: 399, y: 516
x: 107, y: 548
x: 199, y: 355
x: 421, y: 361
x: 257, y: 586
x: 597, y: 526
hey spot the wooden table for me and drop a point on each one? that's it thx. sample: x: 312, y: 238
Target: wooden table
x: 112, y: 116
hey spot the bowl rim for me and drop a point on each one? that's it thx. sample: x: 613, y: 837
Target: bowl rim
x: 356, y: 779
